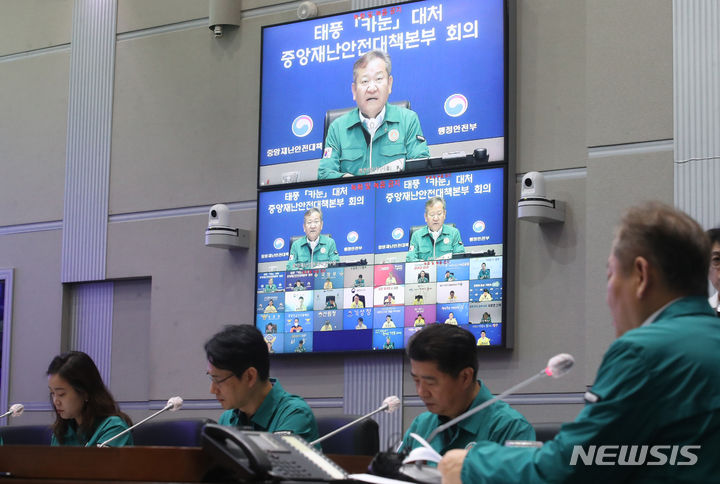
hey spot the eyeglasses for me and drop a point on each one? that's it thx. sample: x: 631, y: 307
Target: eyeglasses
x: 218, y: 381
x: 715, y: 262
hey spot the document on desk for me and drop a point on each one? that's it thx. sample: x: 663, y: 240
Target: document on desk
x: 425, y: 452
x: 374, y: 479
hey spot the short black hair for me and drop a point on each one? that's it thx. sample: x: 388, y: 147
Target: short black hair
x: 714, y: 235
x: 237, y: 348
x: 452, y: 348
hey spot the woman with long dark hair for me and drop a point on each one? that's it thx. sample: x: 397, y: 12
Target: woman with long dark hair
x: 86, y: 413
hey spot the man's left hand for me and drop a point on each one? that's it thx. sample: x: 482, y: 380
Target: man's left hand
x: 451, y: 466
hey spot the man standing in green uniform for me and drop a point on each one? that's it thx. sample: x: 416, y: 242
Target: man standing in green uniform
x: 656, y: 398
x: 436, y: 240
x: 239, y: 368
x: 314, y: 248
x: 443, y: 362
x: 375, y: 134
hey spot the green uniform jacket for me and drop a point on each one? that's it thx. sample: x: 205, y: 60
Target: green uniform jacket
x: 302, y: 256
x: 498, y: 422
x: 279, y: 411
x: 423, y: 247
x: 107, y: 429
x: 347, y: 151
x: 657, y: 385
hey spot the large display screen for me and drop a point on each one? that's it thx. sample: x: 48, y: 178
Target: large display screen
x: 362, y: 265
x: 448, y: 63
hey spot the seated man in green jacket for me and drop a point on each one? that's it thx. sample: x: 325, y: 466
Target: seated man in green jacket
x: 655, y: 403
x: 376, y: 136
x: 239, y: 368
x: 314, y: 248
x: 443, y: 362
x: 436, y: 240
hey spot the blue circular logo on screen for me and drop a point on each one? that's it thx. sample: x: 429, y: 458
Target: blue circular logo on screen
x: 398, y: 233
x: 302, y: 125
x: 456, y: 105
x: 479, y: 226
x: 352, y: 237
x: 279, y: 243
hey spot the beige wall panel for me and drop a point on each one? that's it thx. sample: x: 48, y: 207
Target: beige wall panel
x: 550, y: 270
x: 550, y: 84
x: 549, y: 274
x: 629, y: 71
x: 34, y: 24
x: 36, y: 310
x: 33, y: 123
x: 325, y: 7
x: 615, y: 183
x: 185, y: 120
x: 311, y: 376
x: 143, y: 14
x: 130, y: 338
x: 196, y: 290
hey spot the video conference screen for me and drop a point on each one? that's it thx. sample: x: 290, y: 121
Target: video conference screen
x: 362, y: 265
x: 447, y: 63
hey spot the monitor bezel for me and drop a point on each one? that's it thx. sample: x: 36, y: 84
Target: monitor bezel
x: 506, y: 85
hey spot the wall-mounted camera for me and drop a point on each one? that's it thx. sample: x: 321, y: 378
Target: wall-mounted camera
x: 220, y: 234
x: 307, y: 10
x: 534, y: 206
x: 224, y: 15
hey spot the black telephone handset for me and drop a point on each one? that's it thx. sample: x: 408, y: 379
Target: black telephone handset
x: 260, y: 455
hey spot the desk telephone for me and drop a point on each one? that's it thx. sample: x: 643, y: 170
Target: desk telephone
x: 259, y: 455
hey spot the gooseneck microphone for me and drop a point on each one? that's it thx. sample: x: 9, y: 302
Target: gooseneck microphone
x: 15, y: 410
x: 557, y: 366
x: 389, y: 405
x: 173, y: 404
x: 410, y: 467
